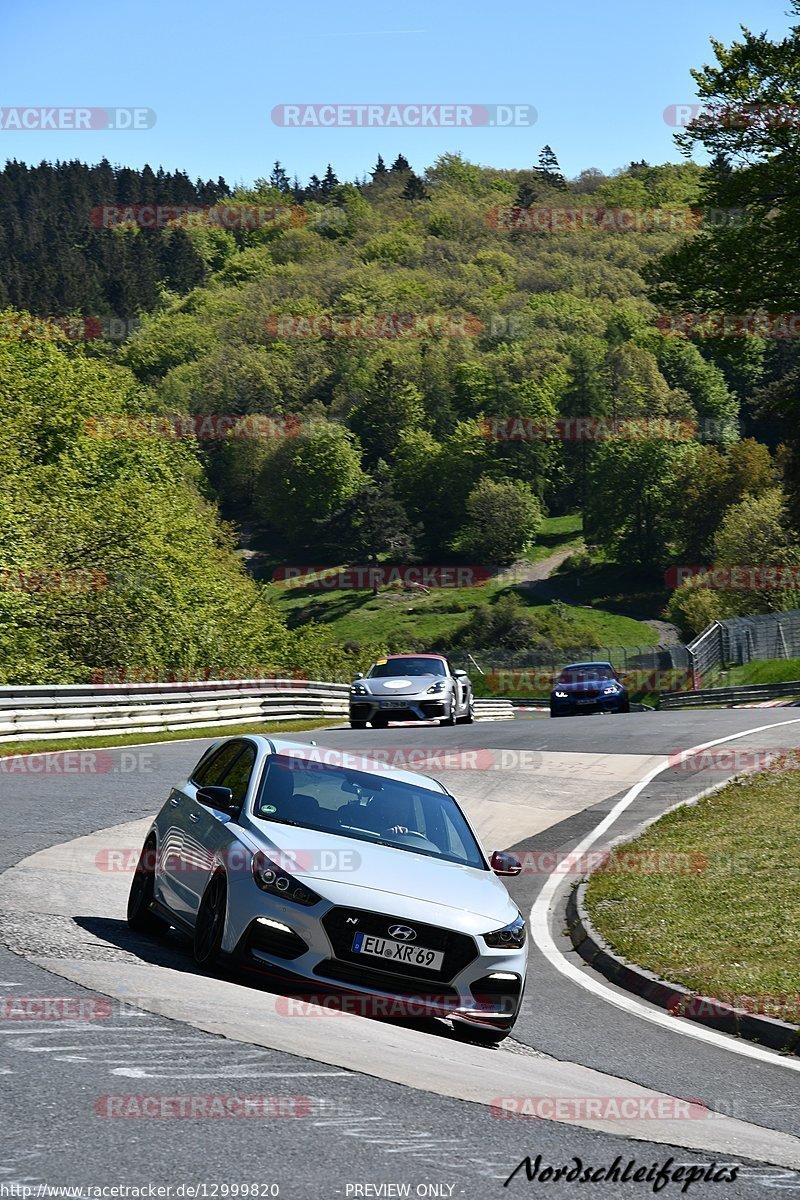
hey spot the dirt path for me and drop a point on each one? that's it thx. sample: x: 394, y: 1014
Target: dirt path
x: 536, y: 575
x: 541, y: 583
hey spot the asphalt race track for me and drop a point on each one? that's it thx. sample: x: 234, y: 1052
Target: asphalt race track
x: 369, y: 1106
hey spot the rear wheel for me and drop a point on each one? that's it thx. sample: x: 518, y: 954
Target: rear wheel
x: 142, y: 892
x: 210, y: 924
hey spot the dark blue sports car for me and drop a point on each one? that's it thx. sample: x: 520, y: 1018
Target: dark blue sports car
x: 586, y: 688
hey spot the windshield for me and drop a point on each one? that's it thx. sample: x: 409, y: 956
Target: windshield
x: 588, y: 674
x: 384, y: 668
x: 360, y: 805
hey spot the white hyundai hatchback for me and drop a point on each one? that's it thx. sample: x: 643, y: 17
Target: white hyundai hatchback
x: 287, y: 859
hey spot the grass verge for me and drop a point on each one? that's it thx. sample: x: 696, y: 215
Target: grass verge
x: 771, y: 670
x: 733, y: 927
x: 405, y: 621
x: 170, y: 735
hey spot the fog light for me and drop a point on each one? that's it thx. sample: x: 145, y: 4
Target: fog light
x: 274, y: 924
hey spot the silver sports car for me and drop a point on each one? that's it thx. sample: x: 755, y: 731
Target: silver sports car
x: 410, y: 687
x: 283, y: 859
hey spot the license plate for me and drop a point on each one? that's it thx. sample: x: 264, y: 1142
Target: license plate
x: 393, y: 704
x: 585, y: 701
x: 416, y: 956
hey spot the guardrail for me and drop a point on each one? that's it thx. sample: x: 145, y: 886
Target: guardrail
x: 751, y: 693
x: 42, y: 713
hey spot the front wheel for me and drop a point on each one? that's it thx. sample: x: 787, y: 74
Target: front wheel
x: 474, y: 1033
x: 210, y: 924
x: 469, y: 715
x: 140, y: 916
x: 358, y: 724
x: 380, y: 722
x: 450, y: 719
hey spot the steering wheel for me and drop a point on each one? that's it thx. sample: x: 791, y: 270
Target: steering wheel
x: 405, y: 833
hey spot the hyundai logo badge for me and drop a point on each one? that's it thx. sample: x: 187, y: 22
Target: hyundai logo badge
x: 402, y: 933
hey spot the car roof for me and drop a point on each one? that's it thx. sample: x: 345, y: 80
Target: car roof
x: 440, y: 656
x: 347, y: 758
x: 574, y: 666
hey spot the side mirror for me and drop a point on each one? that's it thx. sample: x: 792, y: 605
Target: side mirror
x: 460, y: 674
x: 504, y: 863
x: 220, y: 798
x: 358, y: 675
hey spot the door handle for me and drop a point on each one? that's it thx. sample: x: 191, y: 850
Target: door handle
x: 174, y: 801
x: 194, y: 818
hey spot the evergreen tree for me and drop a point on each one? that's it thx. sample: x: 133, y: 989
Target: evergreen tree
x: 400, y: 164
x: 379, y: 171
x: 414, y: 189
x: 279, y: 179
x: 549, y: 168
x: 329, y: 182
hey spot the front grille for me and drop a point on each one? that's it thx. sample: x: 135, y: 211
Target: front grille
x: 270, y: 940
x: 458, y: 948
x: 426, y: 990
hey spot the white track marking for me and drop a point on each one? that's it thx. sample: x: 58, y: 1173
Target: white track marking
x: 543, y: 938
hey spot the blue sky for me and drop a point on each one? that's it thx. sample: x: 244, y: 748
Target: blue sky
x: 599, y: 75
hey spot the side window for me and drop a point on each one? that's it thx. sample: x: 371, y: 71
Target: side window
x: 237, y: 776
x: 210, y: 771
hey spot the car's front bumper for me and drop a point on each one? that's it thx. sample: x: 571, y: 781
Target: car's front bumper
x: 478, y: 983
x: 411, y: 708
x: 575, y: 706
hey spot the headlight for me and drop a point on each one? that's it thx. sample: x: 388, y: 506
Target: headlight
x: 610, y: 691
x: 561, y: 695
x: 270, y: 878
x: 436, y: 687
x: 510, y: 938
x: 358, y: 689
